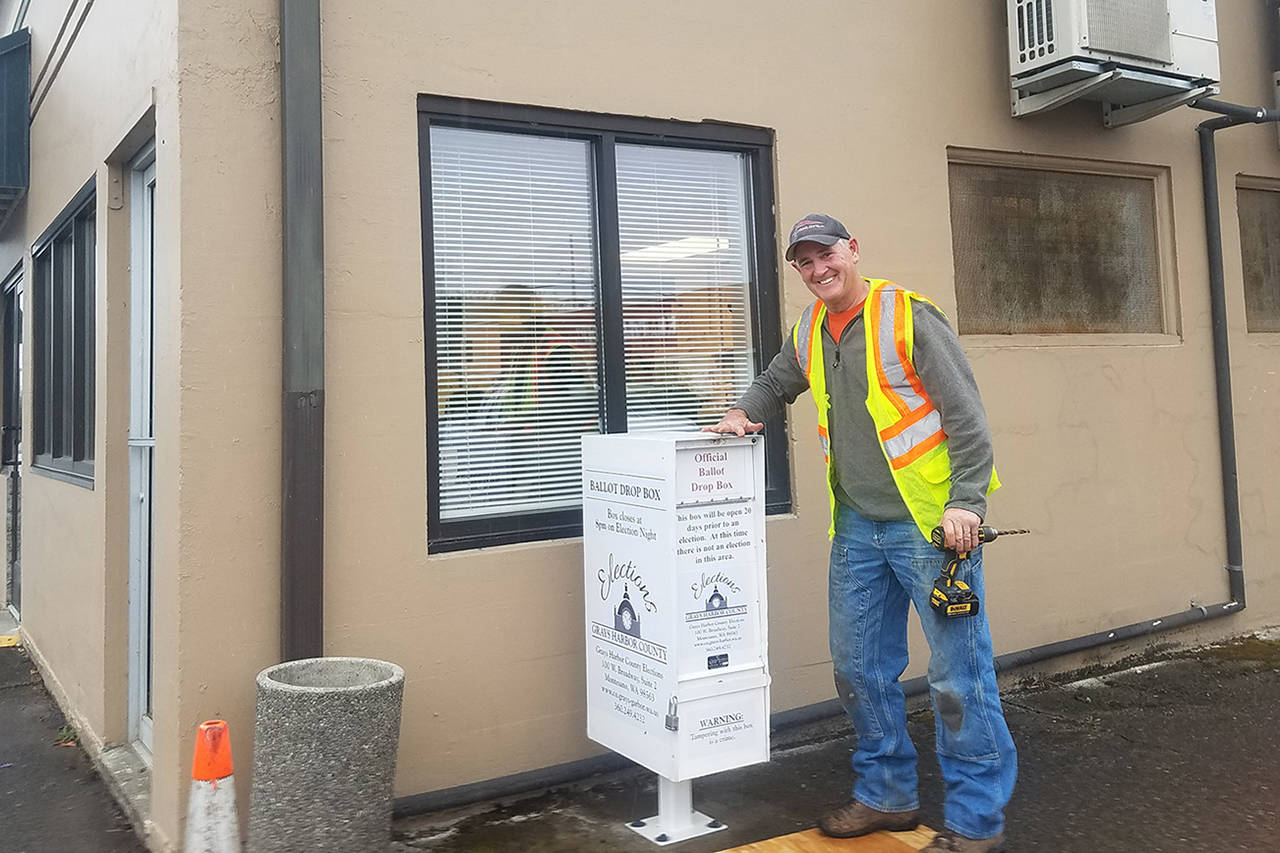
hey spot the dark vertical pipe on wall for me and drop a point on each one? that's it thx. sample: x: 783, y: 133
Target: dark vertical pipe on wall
x: 1221, y: 354
x: 1230, y: 115
x: 1273, y: 30
x: 302, y: 421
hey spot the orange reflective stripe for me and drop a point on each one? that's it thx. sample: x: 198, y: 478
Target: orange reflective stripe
x: 919, y: 450
x: 900, y: 425
x: 876, y: 329
x: 900, y: 325
x: 901, y: 307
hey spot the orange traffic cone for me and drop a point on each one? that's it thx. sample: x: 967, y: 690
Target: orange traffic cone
x: 212, y: 825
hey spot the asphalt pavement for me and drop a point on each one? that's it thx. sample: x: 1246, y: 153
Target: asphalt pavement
x: 52, y: 800
x: 1172, y: 752
x: 1169, y: 753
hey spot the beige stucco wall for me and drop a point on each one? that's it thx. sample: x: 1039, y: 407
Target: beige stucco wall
x: 223, y: 382
x: 1255, y: 357
x: 100, y: 90
x: 89, y: 96
x: 1108, y: 447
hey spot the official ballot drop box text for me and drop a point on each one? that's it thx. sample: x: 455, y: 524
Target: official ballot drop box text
x: 676, y: 628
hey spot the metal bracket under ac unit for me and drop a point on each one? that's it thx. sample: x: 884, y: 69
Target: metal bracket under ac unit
x: 1114, y: 116
x: 1029, y: 105
x: 1127, y: 94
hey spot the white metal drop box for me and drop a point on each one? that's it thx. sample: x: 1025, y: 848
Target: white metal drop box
x: 674, y: 567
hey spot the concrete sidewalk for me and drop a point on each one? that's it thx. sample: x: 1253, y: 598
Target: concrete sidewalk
x: 1173, y: 753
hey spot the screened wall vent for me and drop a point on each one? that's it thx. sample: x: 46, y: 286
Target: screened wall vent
x: 1138, y: 58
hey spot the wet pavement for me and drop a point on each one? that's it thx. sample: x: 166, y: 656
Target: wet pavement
x: 1172, y: 755
x: 1168, y: 753
x: 52, y: 800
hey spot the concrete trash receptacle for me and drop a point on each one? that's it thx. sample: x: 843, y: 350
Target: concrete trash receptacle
x: 324, y: 755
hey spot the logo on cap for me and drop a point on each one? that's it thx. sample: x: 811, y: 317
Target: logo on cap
x: 817, y: 227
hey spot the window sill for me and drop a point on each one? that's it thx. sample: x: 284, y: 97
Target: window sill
x: 436, y: 554
x: 1104, y: 339
x: 71, y: 477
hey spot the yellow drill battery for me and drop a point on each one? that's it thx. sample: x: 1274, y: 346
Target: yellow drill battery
x: 953, y: 598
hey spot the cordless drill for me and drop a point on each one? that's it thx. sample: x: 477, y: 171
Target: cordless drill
x: 952, y: 597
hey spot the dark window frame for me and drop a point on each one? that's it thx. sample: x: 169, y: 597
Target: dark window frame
x: 604, y: 132
x: 63, y: 333
x: 10, y: 386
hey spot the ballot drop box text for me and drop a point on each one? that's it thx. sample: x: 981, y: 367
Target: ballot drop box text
x: 674, y: 572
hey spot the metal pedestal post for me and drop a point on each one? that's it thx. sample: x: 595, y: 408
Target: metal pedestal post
x: 676, y: 820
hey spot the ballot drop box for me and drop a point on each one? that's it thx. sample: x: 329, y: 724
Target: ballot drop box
x: 676, y: 636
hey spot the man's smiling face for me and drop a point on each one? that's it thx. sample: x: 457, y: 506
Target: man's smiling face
x: 831, y: 273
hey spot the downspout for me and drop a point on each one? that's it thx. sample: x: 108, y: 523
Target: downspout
x: 302, y: 410
x: 1230, y: 115
x: 1273, y: 28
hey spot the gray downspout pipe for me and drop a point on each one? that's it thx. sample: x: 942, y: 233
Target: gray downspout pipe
x: 1273, y: 26
x: 1229, y: 116
x: 302, y: 410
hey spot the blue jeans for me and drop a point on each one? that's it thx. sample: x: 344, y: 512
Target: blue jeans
x: 877, y: 569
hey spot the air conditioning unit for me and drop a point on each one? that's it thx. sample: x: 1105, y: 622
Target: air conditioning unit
x: 1138, y: 57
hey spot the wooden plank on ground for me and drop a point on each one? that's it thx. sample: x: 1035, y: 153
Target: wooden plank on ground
x: 813, y: 841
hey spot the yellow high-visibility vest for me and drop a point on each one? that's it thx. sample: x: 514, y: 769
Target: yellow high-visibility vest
x: 909, y: 425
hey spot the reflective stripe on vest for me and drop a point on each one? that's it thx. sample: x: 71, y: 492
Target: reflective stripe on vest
x: 919, y: 426
x: 806, y: 337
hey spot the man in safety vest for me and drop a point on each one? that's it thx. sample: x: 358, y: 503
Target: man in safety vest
x: 907, y: 447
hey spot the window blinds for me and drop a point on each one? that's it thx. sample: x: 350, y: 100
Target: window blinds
x: 682, y: 220
x: 515, y: 276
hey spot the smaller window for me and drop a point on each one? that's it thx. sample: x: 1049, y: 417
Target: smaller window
x: 63, y: 341
x: 1259, y: 223
x: 1048, y: 252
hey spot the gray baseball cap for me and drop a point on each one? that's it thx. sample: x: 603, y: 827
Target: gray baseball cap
x: 816, y: 228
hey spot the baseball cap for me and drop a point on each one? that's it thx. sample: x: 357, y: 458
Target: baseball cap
x: 816, y: 228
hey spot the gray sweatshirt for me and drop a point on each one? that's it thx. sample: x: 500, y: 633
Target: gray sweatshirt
x: 864, y: 481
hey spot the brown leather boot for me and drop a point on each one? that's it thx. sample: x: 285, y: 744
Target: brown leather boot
x: 953, y: 842
x: 854, y: 818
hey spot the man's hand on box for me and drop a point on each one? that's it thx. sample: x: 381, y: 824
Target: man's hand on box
x: 735, y: 422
